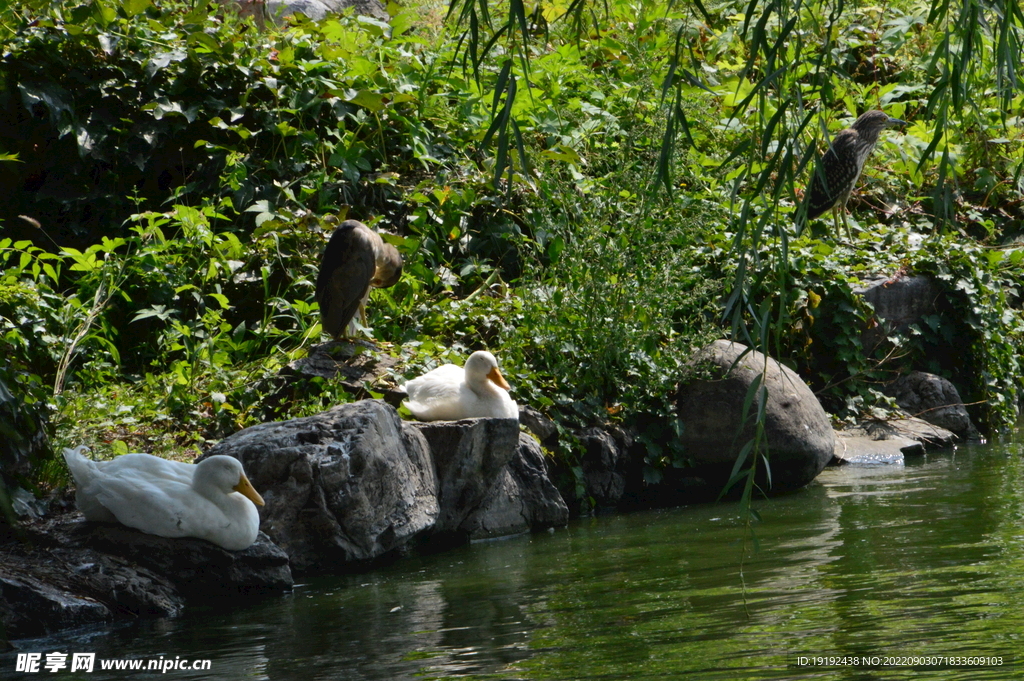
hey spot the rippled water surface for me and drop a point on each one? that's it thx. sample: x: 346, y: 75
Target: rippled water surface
x: 914, y: 565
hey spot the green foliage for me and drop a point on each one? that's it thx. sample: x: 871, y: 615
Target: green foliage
x: 784, y: 76
x: 153, y: 309
x: 107, y: 104
x: 974, y: 338
x: 611, y: 318
x: 986, y: 299
x: 183, y: 159
x: 22, y: 440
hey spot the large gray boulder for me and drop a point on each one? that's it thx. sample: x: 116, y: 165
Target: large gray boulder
x: 798, y: 435
x: 522, y: 499
x: 468, y: 456
x: 898, y: 302
x: 933, y: 399
x: 54, y: 579
x: 69, y: 573
x: 605, y: 464
x: 264, y: 11
x: 352, y: 484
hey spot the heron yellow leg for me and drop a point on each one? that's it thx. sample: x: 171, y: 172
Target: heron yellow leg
x: 835, y: 217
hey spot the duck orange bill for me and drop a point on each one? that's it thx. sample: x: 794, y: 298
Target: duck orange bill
x: 245, y: 488
x: 496, y: 376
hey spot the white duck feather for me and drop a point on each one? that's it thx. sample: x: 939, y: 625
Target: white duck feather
x: 451, y: 392
x: 211, y: 500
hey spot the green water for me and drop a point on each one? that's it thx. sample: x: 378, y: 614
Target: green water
x: 895, y: 563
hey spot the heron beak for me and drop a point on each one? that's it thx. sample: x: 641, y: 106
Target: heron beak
x: 245, y: 488
x: 498, y: 379
x: 894, y: 121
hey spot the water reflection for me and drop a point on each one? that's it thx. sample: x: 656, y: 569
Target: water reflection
x: 920, y: 560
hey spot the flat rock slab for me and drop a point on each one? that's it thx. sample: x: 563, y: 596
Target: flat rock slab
x: 861, y: 450
x: 55, y: 578
x: 46, y: 588
x: 66, y: 572
x: 35, y: 603
x: 350, y: 485
x: 197, y: 568
x: 926, y: 434
x: 359, y: 367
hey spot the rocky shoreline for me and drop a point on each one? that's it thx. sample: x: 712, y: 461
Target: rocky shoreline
x: 357, y: 486
x: 346, y: 490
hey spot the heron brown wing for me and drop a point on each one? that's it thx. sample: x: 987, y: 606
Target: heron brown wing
x: 834, y: 175
x: 346, y: 269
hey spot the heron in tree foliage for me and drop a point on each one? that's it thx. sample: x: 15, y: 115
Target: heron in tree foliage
x: 836, y: 173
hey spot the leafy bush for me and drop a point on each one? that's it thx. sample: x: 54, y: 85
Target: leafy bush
x: 112, y: 106
x: 974, y: 338
x: 590, y: 206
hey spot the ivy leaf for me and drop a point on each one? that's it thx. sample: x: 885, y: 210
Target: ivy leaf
x: 161, y: 312
x: 163, y: 106
x: 375, y: 26
x: 201, y: 39
x: 103, y: 14
x: 222, y: 300
x: 53, y: 97
x: 108, y: 43
x: 367, y: 99
x: 162, y: 59
x: 134, y: 7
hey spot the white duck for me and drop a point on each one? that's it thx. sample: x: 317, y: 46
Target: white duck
x: 211, y: 500
x: 449, y: 392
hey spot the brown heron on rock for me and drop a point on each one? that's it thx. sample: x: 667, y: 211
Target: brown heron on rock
x: 837, y: 171
x: 356, y: 258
